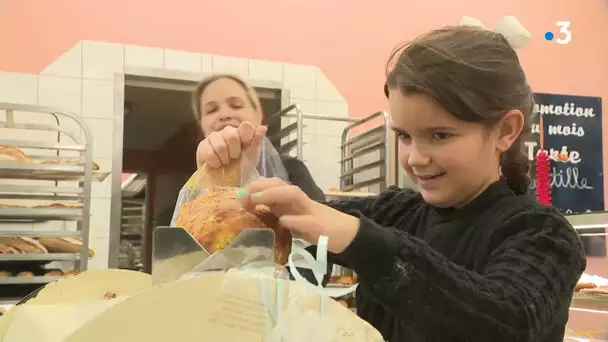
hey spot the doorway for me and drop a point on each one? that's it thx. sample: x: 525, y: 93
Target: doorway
x: 159, y: 141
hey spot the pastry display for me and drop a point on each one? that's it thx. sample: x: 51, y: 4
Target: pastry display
x: 63, y: 245
x: 23, y: 244
x: 12, y: 154
x: 216, y: 217
x: 25, y: 274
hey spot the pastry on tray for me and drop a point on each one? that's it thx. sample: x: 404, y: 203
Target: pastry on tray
x: 70, y: 161
x: 63, y: 245
x: 216, y: 217
x: 343, y: 280
x: 61, y: 206
x: 598, y: 291
x: 71, y: 273
x: 5, y: 274
x: 25, y: 274
x: 6, y: 249
x: 53, y: 273
x: 12, y: 154
x: 24, y: 244
x: 4, y: 205
x: 584, y: 285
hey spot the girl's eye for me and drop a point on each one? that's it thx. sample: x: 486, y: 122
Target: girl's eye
x: 441, y: 136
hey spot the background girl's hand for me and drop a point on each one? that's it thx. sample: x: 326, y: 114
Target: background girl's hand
x: 222, y: 147
x: 298, y: 213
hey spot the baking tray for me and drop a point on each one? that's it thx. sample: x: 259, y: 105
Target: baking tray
x: 12, y: 214
x: 28, y: 280
x: 33, y: 261
x: 56, y: 172
x: 39, y: 257
x: 584, y: 301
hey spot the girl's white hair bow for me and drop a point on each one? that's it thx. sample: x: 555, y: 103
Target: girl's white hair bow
x: 515, y: 33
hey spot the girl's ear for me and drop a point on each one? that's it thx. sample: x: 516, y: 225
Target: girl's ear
x: 509, y: 128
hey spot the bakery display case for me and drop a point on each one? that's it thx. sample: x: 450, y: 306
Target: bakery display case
x: 46, y: 175
x: 589, y: 308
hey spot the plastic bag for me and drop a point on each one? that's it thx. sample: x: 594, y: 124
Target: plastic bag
x: 237, y: 174
x: 208, y: 209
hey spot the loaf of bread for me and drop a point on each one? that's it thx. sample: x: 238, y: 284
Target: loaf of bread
x: 6, y: 249
x: 63, y: 245
x: 23, y: 244
x: 216, y: 217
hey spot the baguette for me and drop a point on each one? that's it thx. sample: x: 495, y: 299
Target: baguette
x: 24, y: 244
x: 63, y: 245
x: 6, y: 249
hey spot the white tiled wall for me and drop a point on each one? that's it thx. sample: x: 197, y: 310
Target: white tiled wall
x: 82, y: 81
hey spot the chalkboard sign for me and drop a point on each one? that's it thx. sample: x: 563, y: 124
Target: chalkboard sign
x: 573, y: 139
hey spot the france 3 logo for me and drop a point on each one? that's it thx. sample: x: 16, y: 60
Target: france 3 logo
x: 565, y: 35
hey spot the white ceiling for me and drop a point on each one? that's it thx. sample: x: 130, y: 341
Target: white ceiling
x: 153, y: 116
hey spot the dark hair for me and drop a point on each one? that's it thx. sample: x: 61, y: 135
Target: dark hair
x: 475, y: 75
x: 200, y: 89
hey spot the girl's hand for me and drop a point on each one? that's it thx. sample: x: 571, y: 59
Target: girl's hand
x: 221, y: 148
x: 298, y: 213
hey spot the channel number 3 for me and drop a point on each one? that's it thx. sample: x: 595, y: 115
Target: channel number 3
x: 564, y: 29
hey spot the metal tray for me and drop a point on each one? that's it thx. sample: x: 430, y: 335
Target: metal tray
x: 57, y: 172
x: 28, y: 280
x: 41, y: 233
x: 40, y: 214
x: 589, y: 302
x: 39, y: 257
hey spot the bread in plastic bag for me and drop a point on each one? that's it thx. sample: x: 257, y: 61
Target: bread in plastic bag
x: 208, y: 209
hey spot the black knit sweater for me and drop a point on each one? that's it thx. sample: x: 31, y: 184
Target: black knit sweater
x: 502, y: 268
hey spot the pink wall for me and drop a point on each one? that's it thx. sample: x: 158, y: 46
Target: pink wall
x: 349, y: 40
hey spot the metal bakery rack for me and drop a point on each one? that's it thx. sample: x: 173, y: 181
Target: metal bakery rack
x: 58, y: 168
x: 132, y: 226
